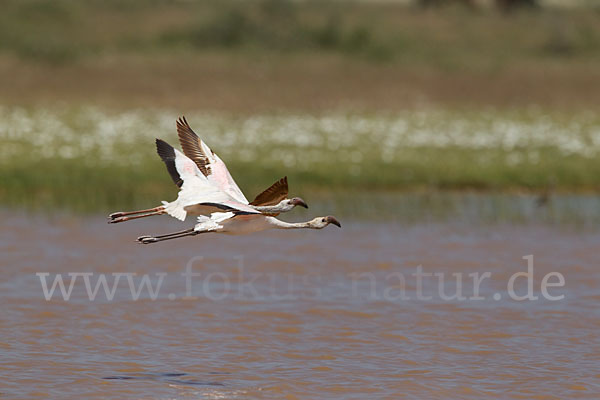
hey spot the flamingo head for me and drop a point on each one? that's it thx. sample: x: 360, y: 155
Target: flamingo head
x: 297, y: 201
x: 322, y: 222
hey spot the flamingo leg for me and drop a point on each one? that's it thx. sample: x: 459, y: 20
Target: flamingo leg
x: 175, y: 235
x: 116, y: 220
x: 139, y: 239
x: 117, y: 216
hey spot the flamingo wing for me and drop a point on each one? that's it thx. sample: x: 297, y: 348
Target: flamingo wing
x: 167, y: 154
x: 197, y: 192
x: 273, y: 195
x: 208, y: 163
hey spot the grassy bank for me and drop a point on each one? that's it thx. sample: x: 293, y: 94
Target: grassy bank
x: 340, y: 96
x: 87, y: 158
x: 260, y: 56
x: 62, y: 31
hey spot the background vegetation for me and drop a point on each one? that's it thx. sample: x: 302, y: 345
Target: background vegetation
x: 431, y: 96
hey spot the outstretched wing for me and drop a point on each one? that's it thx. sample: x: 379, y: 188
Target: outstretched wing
x: 193, y: 147
x: 167, y: 154
x: 197, y: 193
x: 209, y: 164
x: 273, y: 195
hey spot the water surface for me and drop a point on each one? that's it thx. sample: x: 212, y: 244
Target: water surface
x: 311, y: 314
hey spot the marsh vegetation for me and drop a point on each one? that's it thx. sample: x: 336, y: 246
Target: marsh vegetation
x: 86, y: 157
x: 352, y: 96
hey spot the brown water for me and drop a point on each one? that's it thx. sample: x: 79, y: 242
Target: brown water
x: 290, y: 319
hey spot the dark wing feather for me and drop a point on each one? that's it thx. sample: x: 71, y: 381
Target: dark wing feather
x: 167, y: 154
x: 273, y: 195
x: 190, y: 143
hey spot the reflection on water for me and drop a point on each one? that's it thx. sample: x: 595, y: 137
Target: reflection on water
x: 582, y: 210
x: 302, y: 325
x: 170, y: 377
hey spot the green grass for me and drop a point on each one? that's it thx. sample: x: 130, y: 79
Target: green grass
x: 309, y: 60
x: 89, y: 159
x: 62, y: 31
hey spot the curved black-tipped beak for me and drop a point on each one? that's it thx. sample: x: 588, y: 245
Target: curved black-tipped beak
x: 334, y: 221
x: 297, y: 201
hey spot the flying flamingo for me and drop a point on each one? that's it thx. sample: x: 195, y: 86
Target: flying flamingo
x: 206, y: 186
x: 239, y: 224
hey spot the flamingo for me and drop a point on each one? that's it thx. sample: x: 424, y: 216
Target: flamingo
x: 206, y: 186
x: 239, y: 224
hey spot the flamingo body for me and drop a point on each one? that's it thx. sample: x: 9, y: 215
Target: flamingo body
x: 207, y: 190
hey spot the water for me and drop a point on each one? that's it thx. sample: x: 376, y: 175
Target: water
x: 311, y: 314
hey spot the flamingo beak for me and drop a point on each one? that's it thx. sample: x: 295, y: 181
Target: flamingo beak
x: 297, y: 201
x: 333, y: 220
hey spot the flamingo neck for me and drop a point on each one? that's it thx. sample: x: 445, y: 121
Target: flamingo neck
x: 278, y: 224
x: 277, y: 208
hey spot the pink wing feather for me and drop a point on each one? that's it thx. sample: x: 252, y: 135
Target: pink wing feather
x: 211, y: 166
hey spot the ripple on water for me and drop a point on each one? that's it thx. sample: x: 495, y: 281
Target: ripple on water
x: 343, y: 340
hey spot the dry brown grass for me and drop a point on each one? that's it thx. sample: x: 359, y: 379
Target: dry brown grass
x: 302, y: 56
x: 303, y: 82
